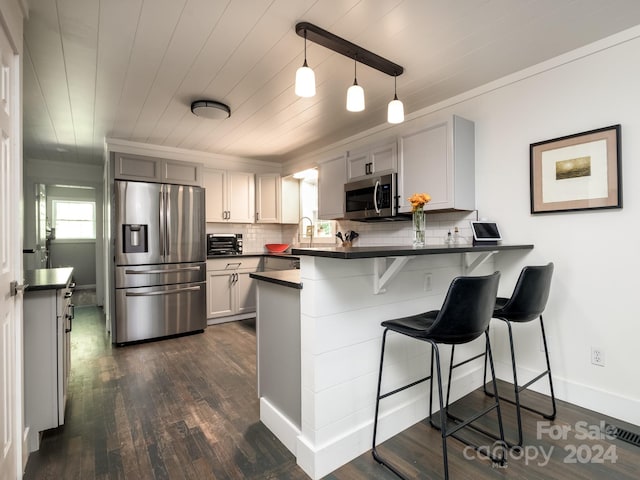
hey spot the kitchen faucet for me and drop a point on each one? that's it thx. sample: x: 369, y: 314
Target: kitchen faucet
x: 300, y: 224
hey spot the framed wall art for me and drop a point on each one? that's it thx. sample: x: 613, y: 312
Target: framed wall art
x: 577, y: 172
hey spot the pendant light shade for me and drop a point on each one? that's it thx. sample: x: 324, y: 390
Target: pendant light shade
x: 305, y: 78
x: 355, y: 94
x: 395, y: 110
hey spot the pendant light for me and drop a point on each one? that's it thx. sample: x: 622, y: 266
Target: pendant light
x: 355, y: 94
x: 305, y: 78
x: 395, y: 111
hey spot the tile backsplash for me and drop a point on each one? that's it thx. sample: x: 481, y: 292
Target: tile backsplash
x: 256, y: 235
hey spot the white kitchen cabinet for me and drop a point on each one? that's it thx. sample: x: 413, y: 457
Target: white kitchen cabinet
x: 290, y: 200
x: 48, y: 316
x: 229, y: 196
x: 231, y: 293
x: 376, y: 159
x: 332, y: 175
x: 438, y: 159
x: 268, y: 198
x: 148, y: 169
x: 277, y: 199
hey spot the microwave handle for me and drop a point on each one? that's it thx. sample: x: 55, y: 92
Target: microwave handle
x: 375, y: 197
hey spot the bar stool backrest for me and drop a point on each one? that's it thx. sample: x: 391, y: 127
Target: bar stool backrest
x: 530, y: 294
x: 466, y: 311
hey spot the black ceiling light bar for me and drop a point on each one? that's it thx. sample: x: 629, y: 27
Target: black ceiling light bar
x: 344, y: 47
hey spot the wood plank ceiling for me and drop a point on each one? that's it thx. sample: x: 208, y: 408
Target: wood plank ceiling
x: 129, y: 69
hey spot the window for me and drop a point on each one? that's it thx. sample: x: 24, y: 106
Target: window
x: 74, y: 219
x: 324, y: 230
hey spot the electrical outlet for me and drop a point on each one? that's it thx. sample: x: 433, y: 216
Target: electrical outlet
x: 597, y: 356
x: 427, y: 282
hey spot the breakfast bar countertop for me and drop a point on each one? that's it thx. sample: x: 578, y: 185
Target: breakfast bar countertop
x: 400, y: 250
x: 286, y: 278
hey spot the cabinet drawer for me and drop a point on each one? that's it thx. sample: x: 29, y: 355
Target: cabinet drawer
x: 234, y: 264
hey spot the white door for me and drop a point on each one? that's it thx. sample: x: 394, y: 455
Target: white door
x: 11, y: 416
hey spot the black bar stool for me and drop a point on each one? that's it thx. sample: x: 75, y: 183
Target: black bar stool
x: 526, y: 304
x: 464, y: 316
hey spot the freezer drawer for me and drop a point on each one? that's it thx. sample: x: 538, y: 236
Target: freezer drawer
x: 132, y: 276
x: 150, y: 312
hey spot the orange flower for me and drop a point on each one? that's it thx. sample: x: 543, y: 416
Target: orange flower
x: 418, y: 200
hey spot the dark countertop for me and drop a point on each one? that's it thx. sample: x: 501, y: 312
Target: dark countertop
x: 47, y: 278
x: 253, y: 254
x: 286, y: 278
x: 400, y: 250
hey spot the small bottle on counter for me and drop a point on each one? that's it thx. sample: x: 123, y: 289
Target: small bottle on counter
x: 457, y: 239
x: 448, y: 239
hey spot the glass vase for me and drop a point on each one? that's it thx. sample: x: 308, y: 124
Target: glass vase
x: 419, y: 227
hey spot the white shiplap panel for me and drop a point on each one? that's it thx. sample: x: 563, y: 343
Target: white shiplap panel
x: 79, y: 28
x: 37, y: 121
x: 247, y: 71
x: 156, y: 26
x: 276, y: 92
x: 175, y: 122
x: 118, y: 23
x: 196, y: 24
x: 44, y: 44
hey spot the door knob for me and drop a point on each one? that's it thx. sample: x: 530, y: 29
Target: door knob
x: 14, y: 288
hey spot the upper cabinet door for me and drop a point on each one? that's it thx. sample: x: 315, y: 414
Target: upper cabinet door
x: 290, y: 200
x: 181, y: 173
x: 332, y: 175
x: 372, y: 160
x: 137, y: 167
x: 230, y: 196
x: 158, y: 170
x: 385, y: 158
x: 214, y: 184
x: 358, y: 164
x: 268, y: 198
x: 439, y: 159
x: 241, y: 197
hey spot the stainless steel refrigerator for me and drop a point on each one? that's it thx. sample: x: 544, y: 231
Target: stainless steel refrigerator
x: 160, y: 260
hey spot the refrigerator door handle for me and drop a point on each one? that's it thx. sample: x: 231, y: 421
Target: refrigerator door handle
x: 167, y: 218
x: 173, y: 270
x: 161, y: 225
x: 163, y: 292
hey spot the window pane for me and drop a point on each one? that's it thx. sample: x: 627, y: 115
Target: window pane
x: 74, y: 219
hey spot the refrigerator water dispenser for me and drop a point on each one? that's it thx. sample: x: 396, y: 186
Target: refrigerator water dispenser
x: 135, y: 238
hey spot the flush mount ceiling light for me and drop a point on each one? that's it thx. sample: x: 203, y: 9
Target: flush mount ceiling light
x: 355, y: 93
x: 395, y: 110
x: 210, y: 109
x: 305, y: 78
x: 344, y: 47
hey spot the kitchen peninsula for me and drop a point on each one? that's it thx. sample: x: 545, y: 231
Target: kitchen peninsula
x: 321, y: 325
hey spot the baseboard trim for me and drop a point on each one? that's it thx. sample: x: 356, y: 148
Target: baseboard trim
x: 320, y: 460
x: 283, y: 428
x: 585, y: 396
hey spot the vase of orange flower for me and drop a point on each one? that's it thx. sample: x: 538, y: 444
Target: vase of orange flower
x: 418, y: 201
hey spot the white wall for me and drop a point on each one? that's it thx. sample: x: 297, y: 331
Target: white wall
x: 595, y: 252
x: 592, y: 299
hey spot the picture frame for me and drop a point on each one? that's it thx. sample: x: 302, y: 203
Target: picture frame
x: 576, y: 172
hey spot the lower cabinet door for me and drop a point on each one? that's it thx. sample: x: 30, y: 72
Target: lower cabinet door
x: 219, y: 294
x: 245, y: 293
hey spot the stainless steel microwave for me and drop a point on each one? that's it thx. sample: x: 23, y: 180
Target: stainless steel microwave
x: 371, y: 199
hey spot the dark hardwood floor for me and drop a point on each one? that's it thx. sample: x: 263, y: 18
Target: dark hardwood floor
x: 186, y: 408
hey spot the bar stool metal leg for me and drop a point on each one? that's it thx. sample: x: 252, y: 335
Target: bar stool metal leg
x: 517, y: 388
